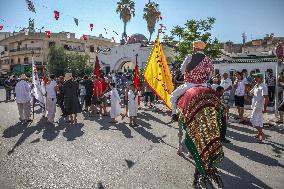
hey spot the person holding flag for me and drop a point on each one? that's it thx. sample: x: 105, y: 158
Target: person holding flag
x: 197, y: 69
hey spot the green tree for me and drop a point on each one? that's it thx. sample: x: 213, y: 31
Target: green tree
x: 61, y: 62
x: 194, y: 30
x: 151, y: 15
x: 125, y: 9
x: 57, y: 63
x: 78, y: 64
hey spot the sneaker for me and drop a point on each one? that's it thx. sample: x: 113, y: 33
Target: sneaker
x: 29, y: 120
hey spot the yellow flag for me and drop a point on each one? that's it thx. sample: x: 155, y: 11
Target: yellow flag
x: 157, y: 74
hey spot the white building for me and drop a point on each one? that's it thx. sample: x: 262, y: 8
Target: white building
x: 121, y: 57
x: 247, y: 64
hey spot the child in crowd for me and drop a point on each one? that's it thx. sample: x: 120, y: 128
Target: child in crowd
x: 132, y: 105
x: 115, y: 109
x: 223, y: 127
x: 125, y: 101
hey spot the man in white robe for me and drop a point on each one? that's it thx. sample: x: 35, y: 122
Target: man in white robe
x: 51, y: 89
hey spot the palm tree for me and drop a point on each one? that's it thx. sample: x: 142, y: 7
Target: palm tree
x: 151, y: 15
x: 126, y: 10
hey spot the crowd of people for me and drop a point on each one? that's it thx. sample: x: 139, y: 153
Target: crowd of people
x: 92, y: 94
x: 73, y: 95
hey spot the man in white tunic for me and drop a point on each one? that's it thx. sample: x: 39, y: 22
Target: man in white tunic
x: 259, y: 104
x: 132, y: 105
x: 51, y: 89
x: 115, y: 109
x: 23, y: 99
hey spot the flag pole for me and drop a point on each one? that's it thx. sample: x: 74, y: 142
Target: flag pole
x: 33, y: 85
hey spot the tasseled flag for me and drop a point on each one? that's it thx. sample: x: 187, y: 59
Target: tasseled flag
x: 91, y: 27
x: 84, y: 37
x: 1, y: 27
x: 76, y: 21
x: 161, y: 18
x: 115, y: 32
x: 105, y: 30
x: 68, y: 35
x: 31, y: 6
x: 113, y: 39
x: 56, y: 14
x: 48, y: 34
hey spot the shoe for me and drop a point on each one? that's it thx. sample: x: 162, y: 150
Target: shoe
x: 225, y: 140
x: 29, y: 120
x: 174, y: 118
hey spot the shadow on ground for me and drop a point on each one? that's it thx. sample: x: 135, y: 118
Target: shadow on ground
x: 50, y: 131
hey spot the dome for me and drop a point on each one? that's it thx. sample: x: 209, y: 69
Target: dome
x: 137, y: 38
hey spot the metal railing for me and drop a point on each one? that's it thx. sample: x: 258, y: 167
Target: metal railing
x: 25, y: 49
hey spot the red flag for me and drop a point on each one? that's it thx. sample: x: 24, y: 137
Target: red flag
x: 136, y: 80
x: 1, y: 27
x: 97, y: 69
x: 48, y: 34
x: 56, y: 14
x: 91, y: 26
x: 84, y: 37
x: 161, y: 25
x: 161, y: 18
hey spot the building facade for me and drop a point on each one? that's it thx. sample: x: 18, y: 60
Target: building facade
x: 18, y: 49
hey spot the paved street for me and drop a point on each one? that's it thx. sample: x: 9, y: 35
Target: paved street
x: 95, y: 154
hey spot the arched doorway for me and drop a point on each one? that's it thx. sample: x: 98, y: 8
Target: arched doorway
x: 124, y: 64
x: 127, y: 67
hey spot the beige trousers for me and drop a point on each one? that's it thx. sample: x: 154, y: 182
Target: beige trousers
x: 24, y: 110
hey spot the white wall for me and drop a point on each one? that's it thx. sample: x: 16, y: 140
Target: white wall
x: 262, y: 66
x: 122, y: 53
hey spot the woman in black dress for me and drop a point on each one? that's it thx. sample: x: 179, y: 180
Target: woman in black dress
x: 71, y: 101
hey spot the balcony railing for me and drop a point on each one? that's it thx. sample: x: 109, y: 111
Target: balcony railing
x: 25, y: 49
x: 74, y: 49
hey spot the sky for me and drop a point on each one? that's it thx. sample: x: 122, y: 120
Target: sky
x: 233, y: 17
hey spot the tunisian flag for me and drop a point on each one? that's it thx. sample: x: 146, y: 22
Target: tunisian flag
x: 97, y: 69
